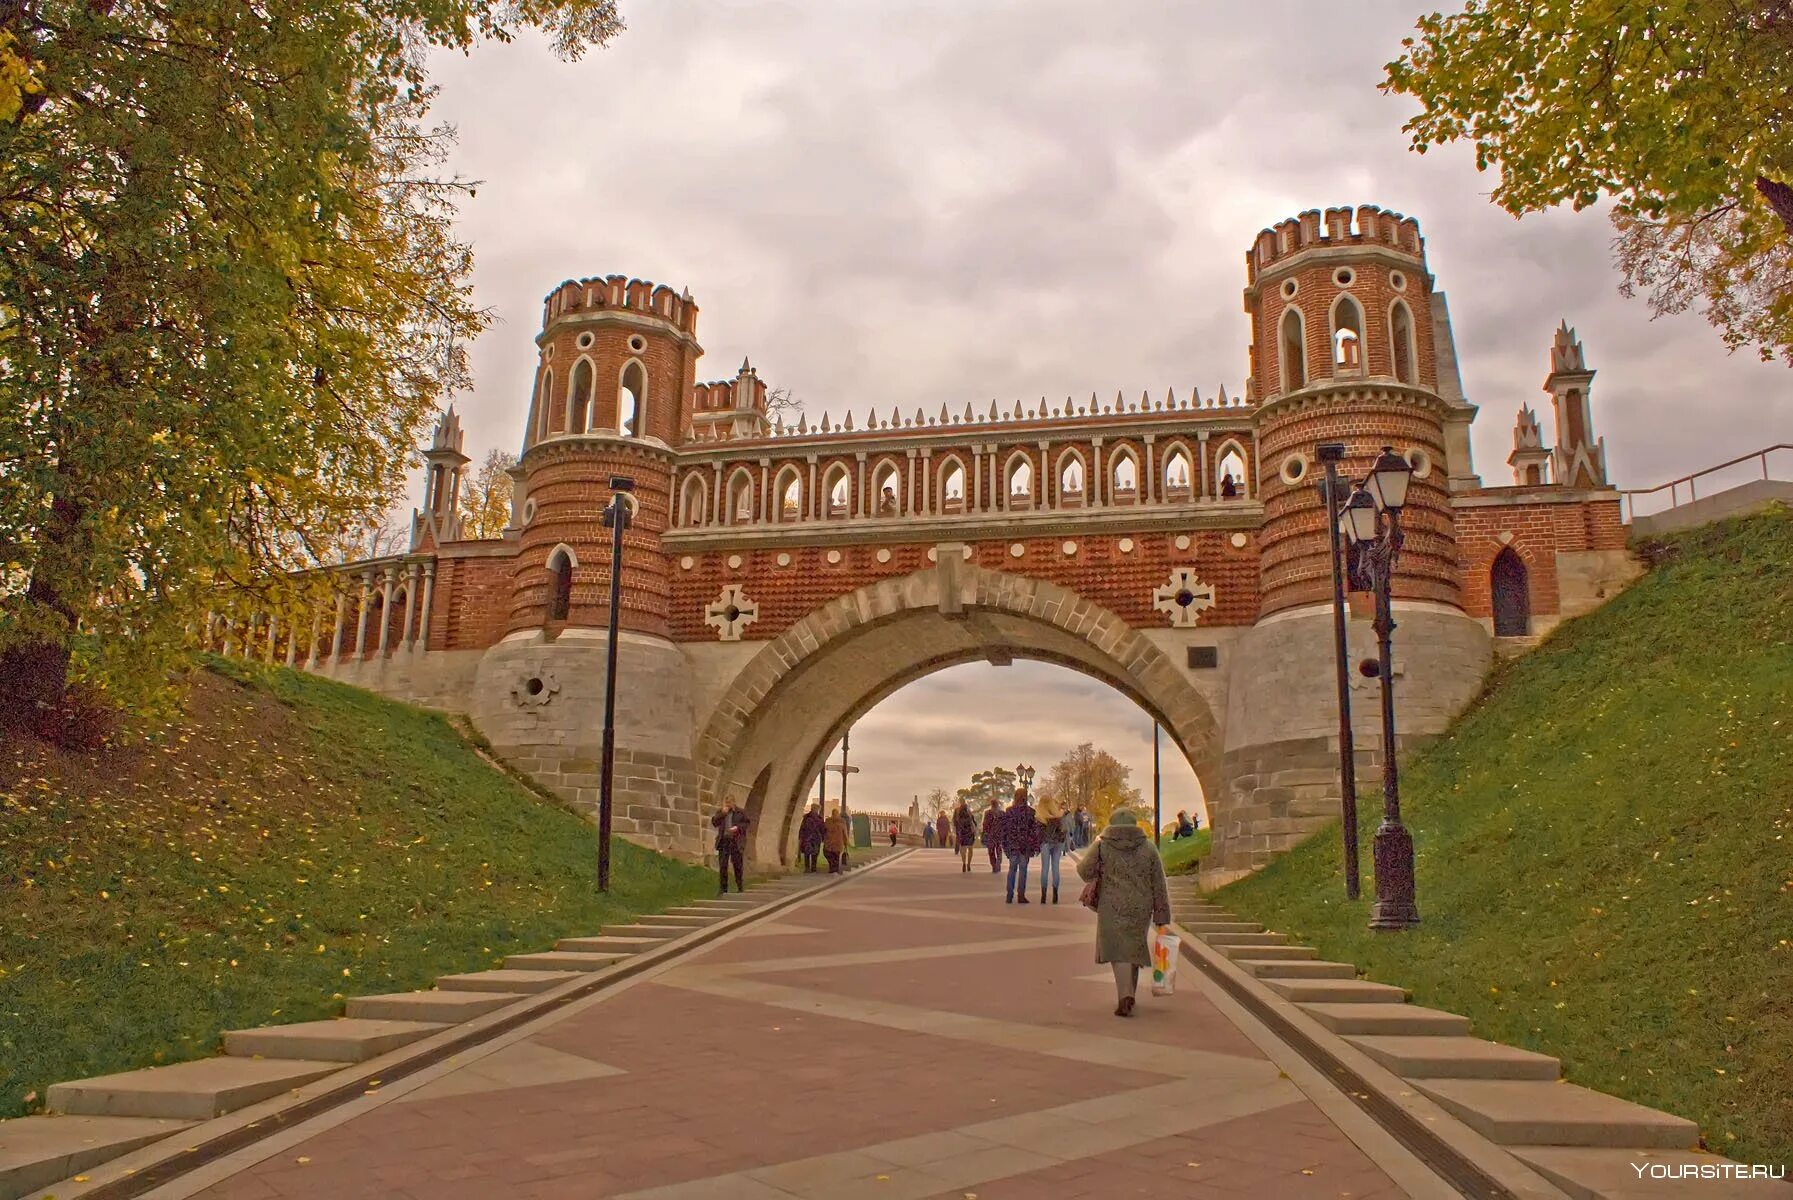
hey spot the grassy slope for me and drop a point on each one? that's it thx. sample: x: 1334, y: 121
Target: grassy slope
x: 1605, y: 848
x: 1182, y: 857
x: 289, y: 842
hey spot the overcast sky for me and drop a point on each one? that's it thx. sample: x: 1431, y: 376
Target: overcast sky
x: 911, y: 204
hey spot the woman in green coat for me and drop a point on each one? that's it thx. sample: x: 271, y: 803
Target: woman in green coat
x: 1132, y: 895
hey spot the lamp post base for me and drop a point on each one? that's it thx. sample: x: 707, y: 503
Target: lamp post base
x: 1393, y: 852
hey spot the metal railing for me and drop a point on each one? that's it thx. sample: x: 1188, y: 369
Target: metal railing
x: 1691, y: 482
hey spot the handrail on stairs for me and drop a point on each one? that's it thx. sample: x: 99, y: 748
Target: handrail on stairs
x: 1673, y: 486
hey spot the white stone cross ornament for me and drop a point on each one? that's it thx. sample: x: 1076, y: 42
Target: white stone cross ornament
x: 731, y: 613
x: 1184, y: 597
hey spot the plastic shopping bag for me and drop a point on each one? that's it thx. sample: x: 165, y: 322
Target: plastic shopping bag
x: 1164, y: 946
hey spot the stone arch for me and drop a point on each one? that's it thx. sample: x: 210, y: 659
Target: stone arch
x: 1123, y: 476
x: 1403, y: 348
x: 738, y: 498
x: 793, y: 699
x: 1509, y: 590
x: 631, y: 399
x: 786, y: 503
x: 1292, y: 349
x: 951, y: 469
x: 1346, y: 347
x: 694, y: 499
x: 1018, y: 483
x: 545, y: 406
x: 1070, y: 488
x: 579, y: 395
x: 1230, y: 459
x: 837, y: 481
x: 1177, y: 482
x: 887, y: 473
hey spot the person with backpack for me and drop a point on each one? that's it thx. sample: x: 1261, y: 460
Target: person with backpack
x: 965, y: 830
x: 1020, y: 841
x: 993, y: 835
x: 1130, y: 894
x: 731, y: 841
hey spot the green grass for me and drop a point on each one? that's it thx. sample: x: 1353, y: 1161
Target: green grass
x: 289, y: 842
x: 1183, y: 857
x: 1605, y: 848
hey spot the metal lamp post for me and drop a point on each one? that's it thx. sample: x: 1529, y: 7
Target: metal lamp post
x: 1332, y: 495
x: 1372, y: 524
x: 616, y: 519
x: 1024, y: 776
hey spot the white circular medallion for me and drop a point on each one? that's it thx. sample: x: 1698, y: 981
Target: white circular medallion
x: 1126, y: 545
x: 1069, y: 547
x: 734, y: 561
x: 933, y: 554
x: 883, y: 556
x: 1239, y: 540
x: 834, y: 556
x: 1182, y: 541
x: 687, y: 562
x: 784, y: 560
x: 1016, y: 549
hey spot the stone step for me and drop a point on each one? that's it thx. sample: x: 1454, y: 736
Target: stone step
x: 1456, y: 1058
x: 562, y: 960
x: 1336, y: 991
x: 608, y: 945
x: 721, y: 904
x: 652, y: 933
x: 36, y: 1152
x: 189, y: 1091
x: 1267, y: 950
x: 710, y: 910
x: 350, y: 1040
x: 1596, y: 1173
x: 1386, y: 1019
x: 1296, y: 968
x: 1511, y: 1112
x: 505, y: 980
x: 1255, y: 937
x: 1203, y: 926
x: 448, y: 1007
x: 672, y: 921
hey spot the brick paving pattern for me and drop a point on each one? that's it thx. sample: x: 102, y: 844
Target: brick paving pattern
x: 905, y: 1036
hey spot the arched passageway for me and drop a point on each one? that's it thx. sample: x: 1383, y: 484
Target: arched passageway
x: 804, y: 688
x: 1511, y: 595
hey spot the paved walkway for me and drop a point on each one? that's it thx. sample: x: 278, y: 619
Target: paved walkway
x: 904, y: 1036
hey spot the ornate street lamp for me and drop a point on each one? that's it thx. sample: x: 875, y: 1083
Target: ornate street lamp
x: 1024, y: 776
x: 1333, y: 496
x: 616, y: 519
x: 1372, y: 524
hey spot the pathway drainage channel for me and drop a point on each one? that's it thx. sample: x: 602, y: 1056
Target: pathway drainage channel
x: 97, y: 1120
x: 1509, y: 1100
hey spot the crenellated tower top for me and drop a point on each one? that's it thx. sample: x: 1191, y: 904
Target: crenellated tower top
x: 1335, y: 228
x: 620, y: 293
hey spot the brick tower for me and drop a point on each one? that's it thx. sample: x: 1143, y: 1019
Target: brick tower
x: 1350, y: 344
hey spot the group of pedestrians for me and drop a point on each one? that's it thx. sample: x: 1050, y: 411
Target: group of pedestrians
x: 826, y: 837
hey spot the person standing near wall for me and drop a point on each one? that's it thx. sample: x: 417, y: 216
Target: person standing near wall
x: 993, y: 835
x: 731, y: 842
x: 809, y: 837
x: 834, y: 840
x: 965, y: 829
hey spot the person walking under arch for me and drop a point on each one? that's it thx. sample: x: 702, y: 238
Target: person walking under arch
x: 809, y: 837
x: 834, y: 841
x: 993, y: 835
x: 1020, y: 841
x: 1052, y: 845
x: 731, y: 841
x: 943, y: 831
x: 965, y: 830
x: 1131, y: 894
x: 927, y: 834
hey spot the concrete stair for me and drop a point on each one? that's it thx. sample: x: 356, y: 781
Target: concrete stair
x: 1266, y: 951
x: 445, y: 1007
x: 606, y: 944
x: 1386, y: 1019
x: 508, y: 980
x: 669, y: 921
x: 651, y: 933
x: 1513, y: 1112
x: 1202, y: 926
x: 561, y: 960
x: 1295, y: 968
x: 1596, y: 1173
x: 189, y: 1091
x: 38, y: 1151
x: 1456, y: 1058
x: 1336, y: 991
x: 349, y: 1040
x: 1255, y: 937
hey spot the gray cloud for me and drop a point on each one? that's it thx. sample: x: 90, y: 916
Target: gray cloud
x: 899, y: 204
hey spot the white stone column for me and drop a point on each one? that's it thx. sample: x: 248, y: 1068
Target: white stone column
x: 1097, y: 485
x: 1042, y: 492
x: 1201, y: 438
x: 813, y: 507
x: 367, y: 591
x: 1149, y: 485
x: 974, y: 499
x: 927, y: 482
x: 859, y: 484
x: 411, y: 607
x: 387, y: 580
x: 716, y: 497
x: 342, y: 604
x: 429, y: 598
x: 765, y: 504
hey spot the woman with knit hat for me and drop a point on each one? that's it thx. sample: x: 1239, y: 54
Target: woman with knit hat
x: 1131, y: 894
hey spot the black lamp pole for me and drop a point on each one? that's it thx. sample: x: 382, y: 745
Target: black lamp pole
x: 1332, y: 453
x: 1157, y: 791
x: 616, y: 519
